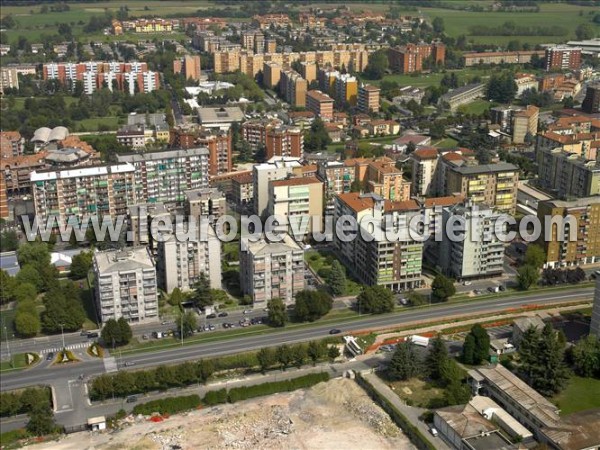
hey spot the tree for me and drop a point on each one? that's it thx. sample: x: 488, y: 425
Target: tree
x: 375, y: 300
x: 316, y: 350
x: 477, y: 345
x: 299, y: 355
x: 27, y: 323
x: 378, y: 64
x: 410, y: 147
x: 64, y: 309
x: 585, y: 31
x: 284, y: 355
x: 29, y: 275
x: 337, y: 279
x: 111, y: 333
x: 436, y: 358
x: 535, y: 256
x: 502, y: 87
x: 35, y: 253
x: 41, y: 420
x: 125, y: 331
x: 176, y: 297
x: 7, y: 287
x: 333, y: 352
x: 277, y: 314
x: 201, y: 296
x: 24, y: 292
x: 442, y: 288
x: 9, y: 241
x: 527, y: 276
x: 81, y: 265
x: 316, y: 137
x: 416, y: 299
x: 405, y: 363
x: 585, y: 356
x: 312, y: 305
x: 266, y: 358
x: 468, y: 350
x: 542, y: 357
x: 189, y: 323
x: 438, y: 25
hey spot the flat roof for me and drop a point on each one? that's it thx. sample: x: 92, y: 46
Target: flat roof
x: 491, y: 441
x: 486, y: 168
x: 300, y: 181
x: 264, y: 247
x: 220, y: 114
x: 133, y: 258
x: 169, y: 154
x: 82, y: 172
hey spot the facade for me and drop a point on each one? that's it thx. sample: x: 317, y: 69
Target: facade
x: 218, y: 143
x: 591, y: 102
x: 560, y: 250
x: 410, y: 58
x: 299, y: 201
x: 179, y: 264
x: 271, y: 74
x: 164, y: 176
x: 271, y: 270
x: 9, y: 79
x: 188, y: 66
x: 278, y: 168
x: 320, y: 104
x: 595, y: 322
x: 462, y: 95
x: 205, y: 202
x: 368, y: 98
x: 284, y: 141
x: 563, y: 58
x: 371, y: 256
x: 518, y: 57
x: 293, y: 87
x: 480, y: 254
x: 492, y: 184
x: 525, y: 124
x: 346, y: 89
x: 242, y: 189
x: 4, y: 211
x: 126, y: 285
x: 308, y: 70
x: 75, y: 193
x: 424, y: 164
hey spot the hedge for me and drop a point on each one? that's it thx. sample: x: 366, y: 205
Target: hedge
x: 171, y: 405
x: 259, y: 390
x: 412, y: 432
x: 22, y: 401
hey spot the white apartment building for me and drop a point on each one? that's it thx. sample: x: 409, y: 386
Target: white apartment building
x: 180, y: 263
x: 480, y: 253
x: 126, y: 285
x: 424, y: 162
x: 271, y: 270
x: 277, y: 168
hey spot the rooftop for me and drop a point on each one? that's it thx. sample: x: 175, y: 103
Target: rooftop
x: 465, y: 420
x: 577, y: 203
x: 295, y: 181
x: 320, y: 96
x: 169, y: 154
x: 131, y: 259
x: 220, y: 114
x: 486, y: 168
x: 264, y: 247
x: 203, y: 194
x: 82, y: 172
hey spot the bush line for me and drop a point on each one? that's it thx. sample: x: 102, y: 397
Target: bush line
x: 172, y: 405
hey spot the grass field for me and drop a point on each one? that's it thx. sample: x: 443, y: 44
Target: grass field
x: 446, y: 143
x: 433, y: 79
x: 94, y: 123
x: 476, y: 107
x: 576, y: 397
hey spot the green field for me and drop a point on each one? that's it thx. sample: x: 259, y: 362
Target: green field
x: 433, y: 79
x: 476, y: 107
x: 576, y: 397
x: 94, y: 123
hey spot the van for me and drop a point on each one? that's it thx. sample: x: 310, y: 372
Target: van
x: 433, y: 432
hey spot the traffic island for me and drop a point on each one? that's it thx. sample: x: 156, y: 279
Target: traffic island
x: 95, y: 350
x: 65, y: 357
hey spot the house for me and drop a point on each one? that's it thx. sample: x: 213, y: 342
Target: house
x: 520, y: 326
x: 400, y: 144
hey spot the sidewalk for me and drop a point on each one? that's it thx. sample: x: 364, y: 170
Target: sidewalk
x: 411, y: 413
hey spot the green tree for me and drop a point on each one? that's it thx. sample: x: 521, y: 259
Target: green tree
x: 527, y: 276
x: 502, y: 87
x: 375, y: 300
x: 585, y: 356
x: 34, y: 253
x: 41, y: 421
x: 277, y: 314
x: 468, y: 350
x: 316, y: 137
x: 30, y: 275
x: 482, y: 343
x: 442, y: 288
x: 7, y: 287
x: 438, y: 25
x: 81, y: 265
x: 299, y: 355
x: 24, y: 292
x: 9, y: 241
x: 337, y: 279
x: 416, y: 299
x: 333, y: 352
x: 201, y: 296
x: 111, y: 333
x: 585, y: 31
x: 27, y: 324
x: 125, y: 331
x: 266, y: 358
x: 316, y: 350
x: 63, y: 307
x: 535, y: 256
x: 190, y: 323
x: 405, y: 363
x: 312, y: 305
x: 378, y: 64
x: 436, y: 358
x: 284, y: 355
x: 176, y: 297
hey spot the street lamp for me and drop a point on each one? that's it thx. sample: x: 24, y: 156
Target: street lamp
x: 7, y: 346
x: 62, y: 332
x: 182, y: 329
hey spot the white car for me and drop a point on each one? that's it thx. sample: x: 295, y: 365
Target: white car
x: 433, y: 432
x: 467, y: 283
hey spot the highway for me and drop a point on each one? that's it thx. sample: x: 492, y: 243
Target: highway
x: 45, y: 374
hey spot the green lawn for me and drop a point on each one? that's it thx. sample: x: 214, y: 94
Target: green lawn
x: 476, y: 107
x: 18, y: 362
x: 446, y: 143
x: 578, y: 395
x: 7, y: 317
x: 433, y: 79
x: 94, y: 123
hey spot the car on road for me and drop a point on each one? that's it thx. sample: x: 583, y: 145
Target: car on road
x: 223, y: 314
x: 131, y: 399
x: 247, y: 311
x: 502, y: 288
x: 467, y: 283
x: 164, y: 322
x: 129, y: 364
x: 433, y: 432
x: 50, y: 356
x: 83, y: 333
x: 211, y: 327
x: 144, y: 336
x: 93, y: 335
x: 211, y: 316
x: 335, y: 331
x: 491, y: 289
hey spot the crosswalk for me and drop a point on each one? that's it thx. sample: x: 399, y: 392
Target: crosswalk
x: 68, y: 347
x: 110, y: 364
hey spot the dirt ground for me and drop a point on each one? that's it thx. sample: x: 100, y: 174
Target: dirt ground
x: 332, y: 415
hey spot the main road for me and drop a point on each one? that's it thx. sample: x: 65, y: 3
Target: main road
x: 45, y: 374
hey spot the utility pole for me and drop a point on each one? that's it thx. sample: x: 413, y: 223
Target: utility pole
x: 62, y: 332
x: 182, y: 328
x: 7, y: 346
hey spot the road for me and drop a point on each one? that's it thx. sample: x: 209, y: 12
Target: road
x: 41, y: 375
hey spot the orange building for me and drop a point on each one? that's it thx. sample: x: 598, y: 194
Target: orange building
x: 3, y: 199
x: 368, y: 98
x: 319, y: 103
x: 189, y: 66
x: 409, y: 58
x: 284, y: 141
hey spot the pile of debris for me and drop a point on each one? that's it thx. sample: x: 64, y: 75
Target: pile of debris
x: 376, y: 418
x: 167, y: 440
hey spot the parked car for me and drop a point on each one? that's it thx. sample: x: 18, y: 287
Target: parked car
x: 433, y: 432
x: 223, y: 314
x: 211, y: 316
x: 247, y: 311
x: 211, y: 327
x: 502, y: 288
x: 144, y: 336
x: 129, y: 364
x: 467, y: 283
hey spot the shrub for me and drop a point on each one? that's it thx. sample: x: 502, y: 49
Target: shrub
x: 215, y: 397
x: 259, y: 390
x: 171, y: 405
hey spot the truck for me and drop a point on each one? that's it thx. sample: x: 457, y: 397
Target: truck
x: 419, y: 340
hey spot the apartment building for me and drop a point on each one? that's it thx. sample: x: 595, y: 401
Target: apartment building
x: 320, y: 104
x: 284, y: 141
x: 205, y: 202
x: 218, y: 143
x: 338, y: 177
x: 254, y: 131
x: 346, y: 89
x: 368, y: 98
x: 492, y: 184
x: 563, y: 57
x: 126, y: 285
x: 300, y: 202
x: 164, y: 176
x: 253, y: 40
x: 271, y: 270
x: 595, y: 322
x: 180, y: 263
x: 591, y: 102
x: 567, y: 175
x: 480, y: 254
x: 293, y: 88
x: 518, y: 57
x: 371, y: 256
x: 308, y: 70
x: 277, y: 168
x: 582, y: 217
x: 9, y: 79
x: 4, y: 210
x: 382, y: 178
x: 242, y: 188
x: 271, y: 74
x: 188, y: 66
x: 268, y: 20
x: 75, y: 193
x: 139, y: 216
x: 462, y: 95
x: 12, y: 144
x: 410, y: 58
x: 424, y: 164
x: 525, y: 124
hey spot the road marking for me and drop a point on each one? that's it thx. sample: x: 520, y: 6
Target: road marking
x: 68, y: 347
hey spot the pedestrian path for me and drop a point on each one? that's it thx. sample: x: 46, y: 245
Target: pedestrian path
x: 68, y: 347
x: 110, y: 364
